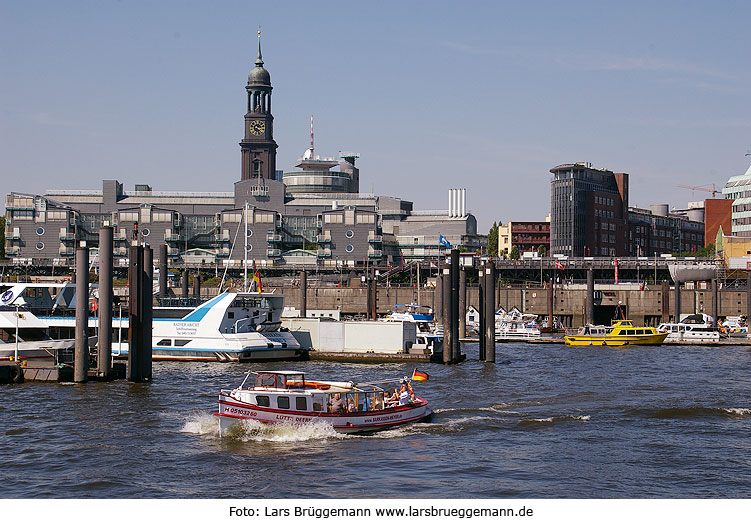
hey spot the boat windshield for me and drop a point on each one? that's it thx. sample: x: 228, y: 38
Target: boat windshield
x: 279, y: 380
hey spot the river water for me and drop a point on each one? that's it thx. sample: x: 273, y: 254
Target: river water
x: 545, y: 421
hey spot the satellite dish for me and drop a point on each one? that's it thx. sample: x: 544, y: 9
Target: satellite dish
x: 308, y: 154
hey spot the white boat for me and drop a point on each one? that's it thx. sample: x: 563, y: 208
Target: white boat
x: 24, y: 336
x: 228, y: 327
x: 516, y: 330
x: 286, y: 397
x: 698, y: 328
x: 429, y: 334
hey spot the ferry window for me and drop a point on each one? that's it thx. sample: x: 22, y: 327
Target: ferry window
x: 164, y: 342
x: 282, y: 402
x: 631, y: 332
x: 263, y: 401
x: 231, y: 315
x: 301, y: 403
x: 181, y: 342
x: 318, y: 403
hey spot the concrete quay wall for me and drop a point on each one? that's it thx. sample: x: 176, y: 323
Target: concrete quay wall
x: 644, y: 306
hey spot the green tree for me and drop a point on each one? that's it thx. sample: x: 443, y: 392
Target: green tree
x: 515, y: 255
x: 541, y: 250
x: 493, y: 240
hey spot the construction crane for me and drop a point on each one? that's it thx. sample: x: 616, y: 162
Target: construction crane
x: 713, y: 190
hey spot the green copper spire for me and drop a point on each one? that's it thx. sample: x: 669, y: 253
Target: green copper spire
x: 259, y: 60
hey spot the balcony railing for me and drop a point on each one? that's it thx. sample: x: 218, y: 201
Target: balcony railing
x: 273, y: 238
x: 69, y: 237
x: 323, y: 253
x: 373, y: 254
x: 375, y: 239
x: 12, y: 252
x: 273, y: 252
x: 323, y: 239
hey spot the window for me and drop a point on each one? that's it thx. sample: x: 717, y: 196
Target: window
x: 333, y: 218
x: 40, y: 246
x: 282, y: 402
x: 40, y: 231
x: 264, y: 218
x: 349, y: 249
x: 181, y: 342
x: 301, y: 403
x: 349, y: 234
x: 263, y: 401
x: 128, y: 217
x: 164, y: 342
x: 232, y: 217
x: 365, y: 218
x: 145, y: 231
x: 161, y: 217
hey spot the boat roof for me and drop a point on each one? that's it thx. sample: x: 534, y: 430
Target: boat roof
x: 282, y: 372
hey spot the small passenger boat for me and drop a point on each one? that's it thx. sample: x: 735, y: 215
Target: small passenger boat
x: 287, y: 397
x: 622, y: 333
x: 697, y: 328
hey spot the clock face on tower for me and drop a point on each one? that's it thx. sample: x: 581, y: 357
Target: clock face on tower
x: 257, y: 128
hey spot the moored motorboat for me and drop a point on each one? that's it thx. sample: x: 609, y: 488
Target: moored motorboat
x: 697, y: 328
x: 287, y: 397
x: 622, y: 333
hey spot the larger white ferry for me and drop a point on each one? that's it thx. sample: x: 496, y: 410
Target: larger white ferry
x: 287, y: 397
x: 228, y: 327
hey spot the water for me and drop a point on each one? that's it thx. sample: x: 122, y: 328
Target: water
x: 545, y: 421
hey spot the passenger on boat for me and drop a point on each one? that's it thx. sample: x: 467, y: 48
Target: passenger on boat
x: 351, y: 407
x: 366, y: 403
x: 393, y: 401
x: 337, y: 405
x: 404, y: 398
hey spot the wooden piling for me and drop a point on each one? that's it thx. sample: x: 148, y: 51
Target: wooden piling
x: 454, y: 274
x: 490, y: 312
x: 590, y: 298
x: 665, y: 305
x: 184, y: 284
x: 677, y: 303
x: 147, y: 310
x: 135, y: 307
x: 197, y: 287
x: 104, y: 350
x: 81, y: 358
x: 462, y: 303
x: 446, y: 311
x: 303, y: 293
x: 551, y: 300
x: 715, y: 304
x: 163, y: 270
x: 481, y: 311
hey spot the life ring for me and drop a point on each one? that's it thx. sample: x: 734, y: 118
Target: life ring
x: 16, y: 374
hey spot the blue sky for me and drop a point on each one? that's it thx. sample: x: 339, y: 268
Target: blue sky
x: 433, y: 95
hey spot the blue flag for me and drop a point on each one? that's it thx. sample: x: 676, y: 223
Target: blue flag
x: 442, y: 240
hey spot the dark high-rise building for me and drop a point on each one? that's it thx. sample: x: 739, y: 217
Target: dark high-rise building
x: 588, y: 211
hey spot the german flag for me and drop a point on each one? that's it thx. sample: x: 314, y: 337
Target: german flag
x: 418, y: 375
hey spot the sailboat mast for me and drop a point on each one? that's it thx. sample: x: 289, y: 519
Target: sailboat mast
x: 245, y: 260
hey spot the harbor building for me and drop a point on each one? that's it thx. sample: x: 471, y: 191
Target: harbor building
x: 588, y: 211
x: 657, y: 230
x: 718, y: 213
x: 312, y: 216
x: 527, y: 236
x: 738, y: 189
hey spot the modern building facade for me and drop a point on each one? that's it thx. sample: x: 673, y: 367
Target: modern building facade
x: 589, y: 211
x: 314, y: 214
x: 738, y: 189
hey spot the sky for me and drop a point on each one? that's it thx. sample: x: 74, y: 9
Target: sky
x: 487, y: 96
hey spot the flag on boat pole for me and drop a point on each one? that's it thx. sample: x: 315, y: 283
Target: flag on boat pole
x: 558, y: 264
x: 418, y: 375
x: 256, y: 279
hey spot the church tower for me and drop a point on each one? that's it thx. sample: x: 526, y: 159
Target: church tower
x: 258, y: 147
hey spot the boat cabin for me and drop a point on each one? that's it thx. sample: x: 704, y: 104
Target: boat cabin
x: 626, y: 327
x: 289, y: 390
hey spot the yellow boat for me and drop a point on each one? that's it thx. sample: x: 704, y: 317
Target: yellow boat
x: 622, y: 333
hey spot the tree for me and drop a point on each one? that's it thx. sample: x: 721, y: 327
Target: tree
x: 541, y: 250
x: 515, y: 255
x: 493, y: 240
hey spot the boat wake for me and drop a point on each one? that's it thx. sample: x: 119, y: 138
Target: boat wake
x: 553, y: 419
x: 692, y: 412
x: 206, y: 424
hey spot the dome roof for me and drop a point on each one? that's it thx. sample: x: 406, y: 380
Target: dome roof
x: 259, y: 75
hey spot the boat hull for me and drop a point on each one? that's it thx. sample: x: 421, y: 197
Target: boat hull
x: 653, y: 339
x: 233, y: 411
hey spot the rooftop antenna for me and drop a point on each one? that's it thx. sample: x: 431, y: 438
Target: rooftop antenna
x: 311, y: 137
